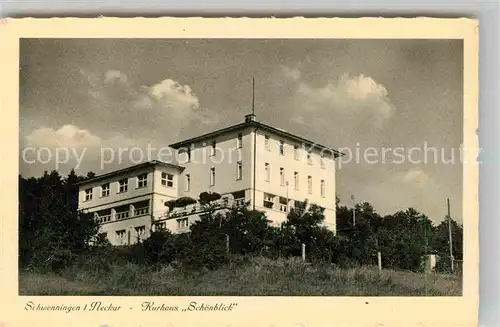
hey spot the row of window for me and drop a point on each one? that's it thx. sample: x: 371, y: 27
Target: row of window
x: 166, y: 180
x: 107, y: 216
x: 213, y: 147
x: 239, y: 173
x: 296, y: 152
x: 142, y: 181
x: 280, y: 203
x: 182, y: 223
x: 296, y: 179
x: 121, y: 234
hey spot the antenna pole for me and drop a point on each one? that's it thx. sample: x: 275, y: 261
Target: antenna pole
x: 254, y: 145
x: 253, y: 96
x: 450, y: 239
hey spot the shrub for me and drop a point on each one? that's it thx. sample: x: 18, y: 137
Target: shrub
x: 207, y: 197
x: 158, y: 249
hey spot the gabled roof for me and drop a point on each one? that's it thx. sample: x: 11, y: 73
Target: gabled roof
x: 130, y: 169
x: 255, y: 124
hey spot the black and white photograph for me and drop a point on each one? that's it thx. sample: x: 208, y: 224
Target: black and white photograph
x: 215, y: 169
x: 255, y: 167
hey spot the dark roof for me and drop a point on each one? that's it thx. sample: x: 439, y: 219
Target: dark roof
x: 131, y: 168
x: 254, y: 124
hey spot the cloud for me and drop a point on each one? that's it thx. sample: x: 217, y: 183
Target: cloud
x: 112, y: 76
x: 69, y: 136
x: 349, y: 98
x: 415, y: 176
x: 291, y: 73
x: 163, y: 109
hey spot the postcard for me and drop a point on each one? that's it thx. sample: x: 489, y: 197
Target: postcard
x: 239, y: 172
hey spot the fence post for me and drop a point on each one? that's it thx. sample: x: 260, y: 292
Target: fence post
x: 227, y: 243
x: 379, y: 259
x: 303, y: 252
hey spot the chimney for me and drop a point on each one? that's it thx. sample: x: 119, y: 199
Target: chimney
x: 249, y: 118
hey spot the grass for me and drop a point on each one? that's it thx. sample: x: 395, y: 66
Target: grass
x: 258, y: 277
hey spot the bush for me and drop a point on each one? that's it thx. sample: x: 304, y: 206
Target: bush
x: 158, y: 249
x: 207, y: 197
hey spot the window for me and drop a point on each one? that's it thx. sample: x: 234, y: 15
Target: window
x: 282, y: 176
x: 268, y: 200
x: 212, y: 176
x: 139, y: 231
x: 298, y: 204
x: 283, y: 204
x: 213, y: 148
x: 309, y: 159
x: 266, y: 142
x: 322, y: 188
x: 167, y: 179
x: 123, y: 185
x: 105, y: 190
x: 239, y: 141
x: 296, y: 152
x: 142, y: 180
x: 239, y: 198
x: 120, y: 236
x: 88, y: 194
x: 309, y: 184
x: 239, y: 170
x: 188, y: 182
x: 160, y: 226
x: 296, y: 180
x: 282, y: 147
x: 182, y: 223
x: 268, y: 171
x: 188, y: 153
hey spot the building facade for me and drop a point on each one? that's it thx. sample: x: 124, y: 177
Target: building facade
x: 248, y: 163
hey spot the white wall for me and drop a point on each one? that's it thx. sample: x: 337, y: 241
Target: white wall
x: 129, y: 226
x: 291, y: 165
x: 225, y: 163
x: 114, y: 195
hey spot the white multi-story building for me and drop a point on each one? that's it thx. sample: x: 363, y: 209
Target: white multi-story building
x: 250, y: 162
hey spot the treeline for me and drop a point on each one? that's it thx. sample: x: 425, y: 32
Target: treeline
x: 54, y: 235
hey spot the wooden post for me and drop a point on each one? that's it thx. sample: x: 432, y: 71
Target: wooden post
x: 379, y: 259
x: 227, y: 243
x: 303, y: 252
x: 450, y: 238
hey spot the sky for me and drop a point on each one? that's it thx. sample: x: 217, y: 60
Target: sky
x: 389, y: 101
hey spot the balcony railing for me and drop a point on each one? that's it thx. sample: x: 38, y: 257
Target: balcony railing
x: 197, y: 208
x: 103, y: 219
x: 141, y: 211
x: 122, y: 215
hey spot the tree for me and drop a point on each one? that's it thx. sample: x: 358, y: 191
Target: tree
x: 405, y: 239
x: 248, y: 230
x: 303, y: 226
x: 441, y: 245
x: 52, y: 233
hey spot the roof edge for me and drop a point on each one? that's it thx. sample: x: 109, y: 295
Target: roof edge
x: 130, y: 168
x: 185, y: 142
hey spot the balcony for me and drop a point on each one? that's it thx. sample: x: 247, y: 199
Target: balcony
x: 199, y: 208
x: 283, y: 207
x: 122, y: 215
x: 141, y: 211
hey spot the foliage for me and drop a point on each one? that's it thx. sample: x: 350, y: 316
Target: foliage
x: 207, y: 197
x: 52, y: 233
x: 180, y: 202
